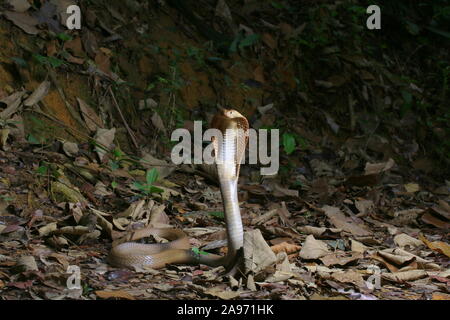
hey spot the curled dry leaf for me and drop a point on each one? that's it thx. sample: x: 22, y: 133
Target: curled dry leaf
x: 70, y: 148
x: 13, y: 102
x: 285, y: 247
x: 24, y: 21
x: 47, y: 229
x: 257, y: 253
x: 357, y: 246
x: 313, y: 249
x: 350, y: 276
x: 319, y: 231
x: 105, y: 138
x: 92, y: 120
x: 163, y: 167
x: 372, y: 168
x: 403, y: 240
x: 19, y: 5
x: 403, y: 276
x: 439, y: 246
x: 219, y: 292
x: 28, y: 263
x: 340, y: 258
x: 339, y: 220
x: 119, y: 294
x: 38, y: 94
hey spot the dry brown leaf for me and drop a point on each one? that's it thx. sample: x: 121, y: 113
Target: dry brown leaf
x: 411, y: 187
x: 319, y: 231
x: 19, y: 5
x: 92, y: 120
x: 283, y: 192
x: 119, y: 294
x: 13, y: 102
x: 357, y: 246
x: 403, y: 240
x: 350, y: 276
x: 403, y: 276
x: 340, y: 258
x: 257, y: 253
x: 440, y: 296
x: 439, y: 246
x: 105, y: 138
x: 285, y: 247
x: 219, y: 292
x: 24, y: 21
x: 313, y: 249
x: 429, y: 218
x: 339, y: 220
x: 38, y: 94
x: 374, y: 168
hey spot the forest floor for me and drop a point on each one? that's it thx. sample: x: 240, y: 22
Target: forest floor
x: 357, y: 211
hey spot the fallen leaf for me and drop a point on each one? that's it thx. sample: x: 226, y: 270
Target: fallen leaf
x: 340, y: 258
x: 28, y: 263
x: 92, y: 120
x: 13, y: 102
x: 403, y: 276
x: 313, y: 249
x: 357, y: 246
x: 24, y: 21
x: 19, y: 5
x: 70, y: 148
x: 439, y: 246
x: 403, y: 240
x: 285, y: 247
x: 411, y: 187
x: 105, y: 138
x: 257, y: 253
x: 339, y: 220
x: 373, y: 168
x: 440, y: 296
x: 119, y: 294
x: 38, y: 94
x: 350, y: 276
x: 430, y: 218
x: 219, y: 292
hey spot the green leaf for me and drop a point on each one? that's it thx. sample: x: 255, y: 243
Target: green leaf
x: 154, y: 189
x: 55, y: 62
x: 139, y: 186
x: 217, y: 214
x: 198, y: 251
x: 152, y: 176
x: 42, y: 170
x: 51, y: 61
x: 114, y: 184
x: 288, y: 143
x: 32, y: 139
x: 20, y: 62
x: 64, y: 37
x: 249, y: 40
x: 114, y: 165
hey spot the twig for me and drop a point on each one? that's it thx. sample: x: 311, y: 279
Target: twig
x: 133, y: 138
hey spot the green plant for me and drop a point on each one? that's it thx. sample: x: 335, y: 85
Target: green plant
x: 148, y: 188
x: 242, y: 41
x: 289, y: 143
x: 48, y: 61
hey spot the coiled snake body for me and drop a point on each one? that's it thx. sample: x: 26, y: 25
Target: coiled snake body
x: 228, y: 155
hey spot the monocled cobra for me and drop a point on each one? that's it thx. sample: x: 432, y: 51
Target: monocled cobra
x: 228, y: 154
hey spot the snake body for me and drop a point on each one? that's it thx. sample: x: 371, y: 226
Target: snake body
x: 228, y: 155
